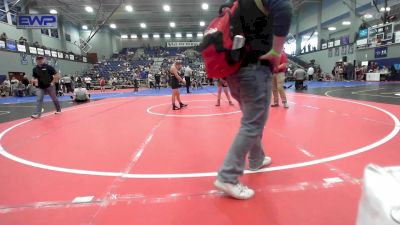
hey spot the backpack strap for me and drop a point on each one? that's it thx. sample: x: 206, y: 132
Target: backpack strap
x: 227, y: 4
x: 261, y: 7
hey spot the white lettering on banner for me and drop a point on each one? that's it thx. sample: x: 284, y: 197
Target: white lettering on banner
x: 182, y: 44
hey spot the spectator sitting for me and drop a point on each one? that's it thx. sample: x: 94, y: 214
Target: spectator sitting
x: 13, y: 85
x: 30, y: 89
x: 3, y: 36
x: 25, y: 81
x: 80, y: 94
x: 5, y: 88
x: 22, y: 40
x: 36, y: 44
x: 20, y: 90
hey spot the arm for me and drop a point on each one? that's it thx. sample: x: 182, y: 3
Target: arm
x: 56, y: 76
x: 281, y: 12
x: 35, y: 80
x: 174, y: 71
x: 282, y: 66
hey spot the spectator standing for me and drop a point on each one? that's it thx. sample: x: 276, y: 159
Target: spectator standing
x: 310, y: 73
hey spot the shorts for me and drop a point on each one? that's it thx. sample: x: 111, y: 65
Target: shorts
x: 175, y: 83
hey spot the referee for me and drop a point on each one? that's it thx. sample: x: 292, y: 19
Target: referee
x: 188, y: 74
x: 45, y: 77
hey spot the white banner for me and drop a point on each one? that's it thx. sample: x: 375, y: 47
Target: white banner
x: 182, y: 44
x: 324, y: 46
x: 32, y: 50
x: 397, y: 40
x: 40, y: 51
x: 21, y: 48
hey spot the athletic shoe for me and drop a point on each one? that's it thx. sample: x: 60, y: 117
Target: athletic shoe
x: 218, y: 103
x: 267, y: 161
x: 57, y: 112
x: 285, y: 105
x: 275, y: 105
x: 35, y: 116
x: 174, y: 107
x: 182, y: 105
x: 238, y: 191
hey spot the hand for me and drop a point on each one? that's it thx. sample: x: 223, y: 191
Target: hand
x: 273, y: 58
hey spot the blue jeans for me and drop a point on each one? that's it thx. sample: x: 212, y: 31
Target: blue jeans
x: 51, y: 91
x: 252, y: 88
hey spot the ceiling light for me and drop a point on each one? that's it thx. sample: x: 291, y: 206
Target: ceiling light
x: 53, y: 11
x: 306, y: 37
x: 387, y: 9
x: 129, y: 8
x: 189, y: 35
x: 113, y: 26
x: 315, y: 33
x: 167, y: 8
x: 346, y: 23
x: 145, y: 36
x: 331, y: 28
x: 172, y: 24
x: 89, y: 9
x: 143, y: 25
x: 124, y: 36
x: 178, y: 35
x: 167, y: 35
x: 204, y: 6
x: 134, y: 36
x: 382, y: 9
x: 368, y: 16
x: 202, y: 23
x: 200, y: 34
x: 84, y: 27
x: 156, y: 36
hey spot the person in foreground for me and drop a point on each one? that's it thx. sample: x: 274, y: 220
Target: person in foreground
x: 45, y: 77
x: 251, y: 86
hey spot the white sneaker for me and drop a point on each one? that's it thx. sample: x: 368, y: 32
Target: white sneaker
x: 266, y: 162
x: 285, y: 105
x: 238, y: 191
x: 57, y: 112
x: 35, y: 116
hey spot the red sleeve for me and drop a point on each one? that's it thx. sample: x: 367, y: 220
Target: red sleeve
x: 284, y: 59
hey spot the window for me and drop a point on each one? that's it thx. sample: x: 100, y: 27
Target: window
x: 54, y: 33
x: 45, y: 31
x: 309, y: 43
x: 14, y: 19
x: 68, y: 37
x: 2, y: 7
x: 3, y: 16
